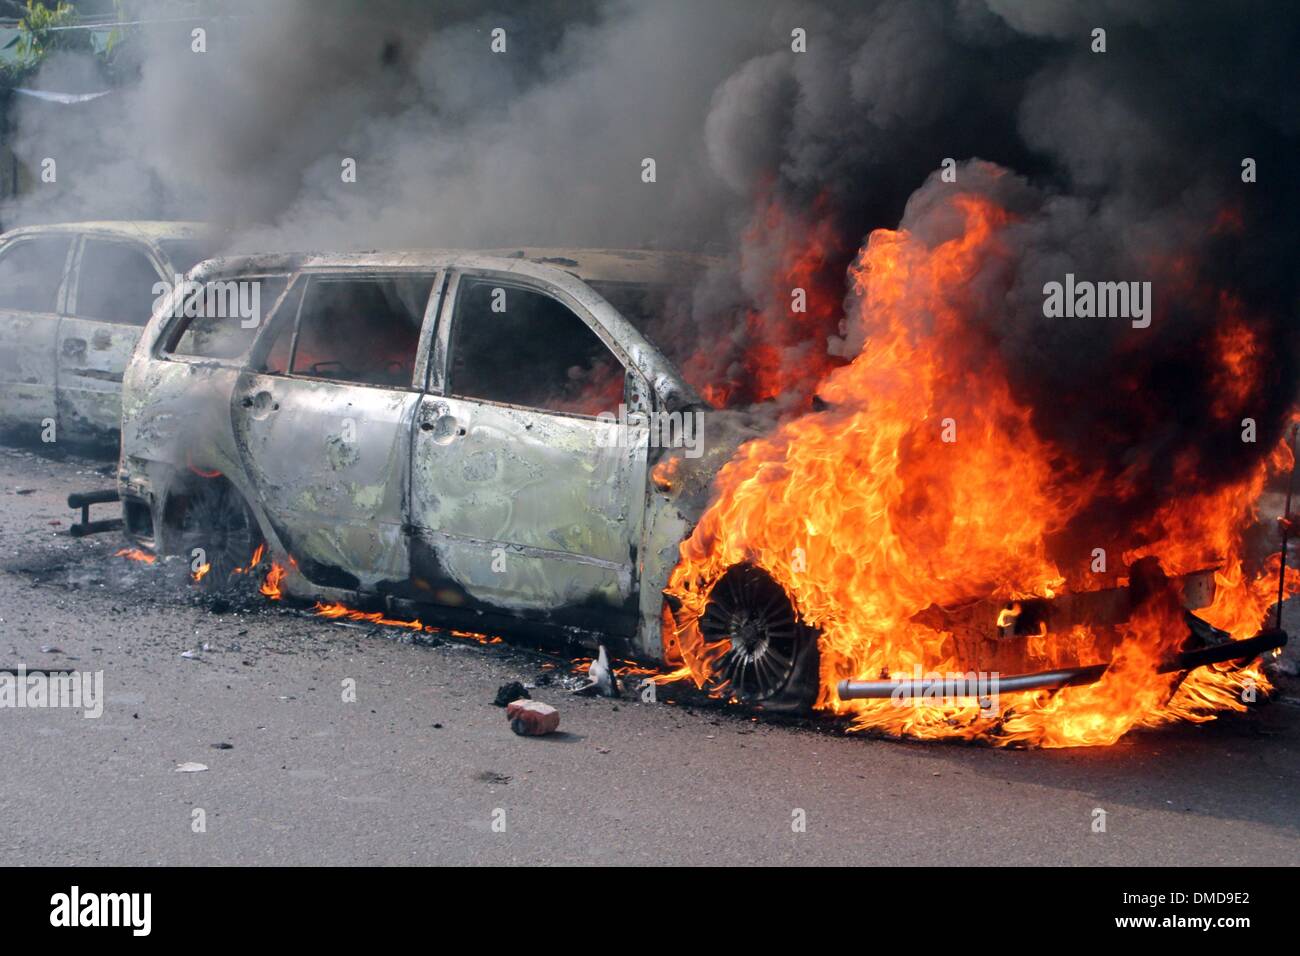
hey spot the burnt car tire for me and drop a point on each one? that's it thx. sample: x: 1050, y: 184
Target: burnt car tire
x: 211, y: 515
x: 772, y: 663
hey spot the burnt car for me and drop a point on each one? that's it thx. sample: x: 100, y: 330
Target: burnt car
x: 485, y: 434
x: 488, y: 435
x: 74, y: 298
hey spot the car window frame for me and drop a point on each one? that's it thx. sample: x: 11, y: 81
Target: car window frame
x: 61, y: 294
x: 174, y: 326
x: 156, y: 244
x: 254, y: 358
x: 440, y: 364
x: 74, y: 281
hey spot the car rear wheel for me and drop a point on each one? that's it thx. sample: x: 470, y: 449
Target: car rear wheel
x: 213, y: 526
x: 772, y: 658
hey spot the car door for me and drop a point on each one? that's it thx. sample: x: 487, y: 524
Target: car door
x: 33, y: 269
x: 114, y: 285
x: 322, y: 417
x: 522, y: 499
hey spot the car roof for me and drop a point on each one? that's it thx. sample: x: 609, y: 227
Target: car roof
x: 148, y: 230
x: 616, y: 265
x: 590, y: 265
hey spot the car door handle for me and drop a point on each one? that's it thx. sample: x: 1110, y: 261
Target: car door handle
x: 444, y: 428
x: 261, y: 403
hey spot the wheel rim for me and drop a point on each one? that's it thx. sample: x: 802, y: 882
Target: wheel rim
x: 751, y: 612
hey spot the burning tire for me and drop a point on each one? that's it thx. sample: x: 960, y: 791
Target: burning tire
x: 772, y: 659
x: 210, y: 524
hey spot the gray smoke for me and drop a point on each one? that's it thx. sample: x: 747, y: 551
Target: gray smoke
x: 453, y: 143
x: 1119, y: 163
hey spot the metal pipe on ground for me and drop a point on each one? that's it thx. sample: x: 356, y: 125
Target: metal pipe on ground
x: 83, y: 500
x: 961, y: 686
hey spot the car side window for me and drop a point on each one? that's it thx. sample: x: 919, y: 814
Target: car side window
x: 522, y: 347
x: 227, y: 315
x: 364, y: 330
x: 31, y: 271
x: 116, y: 283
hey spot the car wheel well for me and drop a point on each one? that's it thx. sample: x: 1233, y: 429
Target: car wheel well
x: 182, y: 493
x: 209, y: 521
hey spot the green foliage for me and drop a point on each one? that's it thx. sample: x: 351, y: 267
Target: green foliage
x: 117, y: 34
x: 40, y: 34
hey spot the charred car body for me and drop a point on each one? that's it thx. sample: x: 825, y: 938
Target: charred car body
x: 475, y: 432
x: 462, y: 430
x: 74, y: 298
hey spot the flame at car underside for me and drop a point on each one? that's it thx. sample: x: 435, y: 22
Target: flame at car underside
x: 270, y: 587
x: 867, y: 517
x: 136, y: 554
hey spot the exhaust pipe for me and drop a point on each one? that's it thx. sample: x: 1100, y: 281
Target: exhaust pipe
x: 959, y: 686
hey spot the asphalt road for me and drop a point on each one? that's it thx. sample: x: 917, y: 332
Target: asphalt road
x: 420, y: 767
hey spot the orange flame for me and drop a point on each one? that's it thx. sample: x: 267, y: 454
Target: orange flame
x: 793, y: 315
x: 135, y: 554
x: 271, y: 586
x: 336, y: 611
x: 374, y: 617
x: 926, y: 485
x: 665, y: 473
x: 253, y: 562
x: 671, y: 677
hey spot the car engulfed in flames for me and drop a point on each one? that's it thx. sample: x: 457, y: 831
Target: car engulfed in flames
x: 913, y: 522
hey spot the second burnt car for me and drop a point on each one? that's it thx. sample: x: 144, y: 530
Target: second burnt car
x: 474, y: 432
x: 74, y: 298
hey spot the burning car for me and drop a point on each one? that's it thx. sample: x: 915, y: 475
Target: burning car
x: 477, y: 433
x: 74, y: 298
